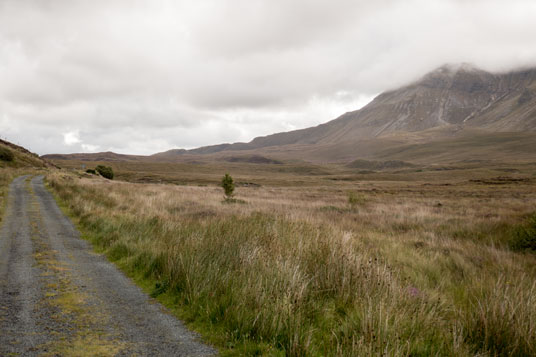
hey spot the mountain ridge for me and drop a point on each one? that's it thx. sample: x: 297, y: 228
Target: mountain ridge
x: 487, y: 90
x: 451, y: 101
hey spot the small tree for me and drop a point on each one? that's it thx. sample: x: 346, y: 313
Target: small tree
x: 228, y: 186
x: 105, y: 171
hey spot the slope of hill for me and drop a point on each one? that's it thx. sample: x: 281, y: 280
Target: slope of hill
x: 14, y: 161
x: 17, y: 157
x: 101, y: 156
x: 460, y: 96
x: 452, y: 103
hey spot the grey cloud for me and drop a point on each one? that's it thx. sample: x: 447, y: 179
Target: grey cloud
x: 150, y: 75
x: 274, y: 26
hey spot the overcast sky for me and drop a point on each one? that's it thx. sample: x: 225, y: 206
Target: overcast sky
x: 141, y: 77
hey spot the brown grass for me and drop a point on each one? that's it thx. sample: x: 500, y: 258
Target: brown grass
x: 409, y: 268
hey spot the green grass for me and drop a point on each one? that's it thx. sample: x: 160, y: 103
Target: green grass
x: 524, y: 237
x: 6, y: 176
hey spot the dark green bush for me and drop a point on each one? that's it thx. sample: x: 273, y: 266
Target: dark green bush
x: 105, y: 171
x: 91, y: 171
x: 6, y: 154
x: 524, y: 237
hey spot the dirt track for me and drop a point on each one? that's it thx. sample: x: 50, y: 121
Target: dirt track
x: 57, y: 297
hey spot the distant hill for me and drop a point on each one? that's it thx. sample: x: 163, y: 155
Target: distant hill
x: 460, y: 104
x: 101, y: 156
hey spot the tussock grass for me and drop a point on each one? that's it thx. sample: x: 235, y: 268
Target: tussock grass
x: 6, y: 176
x: 295, y: 272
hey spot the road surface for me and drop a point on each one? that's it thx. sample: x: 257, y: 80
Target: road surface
x: 58, y: 298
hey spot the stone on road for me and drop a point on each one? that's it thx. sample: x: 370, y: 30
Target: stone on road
x: 58, y: 298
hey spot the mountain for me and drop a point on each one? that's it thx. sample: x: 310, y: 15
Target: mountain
x: 461, y: 95
x: 454, y: 103
x: 453, y: 100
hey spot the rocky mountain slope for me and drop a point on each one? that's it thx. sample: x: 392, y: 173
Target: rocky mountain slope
x: 454, y: 101
x: 452, y: 95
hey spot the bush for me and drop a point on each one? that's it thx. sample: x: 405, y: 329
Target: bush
x: 6, y: 154
x: 105, y: 171
x: 228, y: 185
x: 91, y: 171
x: 355, y: 199
x: 525, y: 236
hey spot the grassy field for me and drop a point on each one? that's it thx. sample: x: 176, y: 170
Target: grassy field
x: 302, y: 173
x: 427, y: 261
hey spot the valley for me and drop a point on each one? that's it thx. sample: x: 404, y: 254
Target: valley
x: 406, y: 228
x: 408, y: 261
x: 268, y: 178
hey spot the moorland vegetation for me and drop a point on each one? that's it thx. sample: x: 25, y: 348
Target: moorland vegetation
x: 328, y: 267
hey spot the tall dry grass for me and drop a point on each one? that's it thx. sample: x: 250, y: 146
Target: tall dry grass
x: 404, y: 270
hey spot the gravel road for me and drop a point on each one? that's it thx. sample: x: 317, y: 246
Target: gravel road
x: 58, y: 298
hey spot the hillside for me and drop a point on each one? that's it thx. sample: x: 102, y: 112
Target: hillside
x: 14, y: 161
x: 14, y: 156
x: 459, y: 96
x: 454, y: 103
x: 101, y: 156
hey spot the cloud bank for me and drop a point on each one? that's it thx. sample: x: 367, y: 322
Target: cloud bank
x: 145, y: 76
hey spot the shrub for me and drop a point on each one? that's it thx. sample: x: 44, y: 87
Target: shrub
x: 525, y: 236
x: 355, y: 199
x: 6, y: 154
x: 91, y: 171
x: 105, y: 171
x: 228, y: 185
